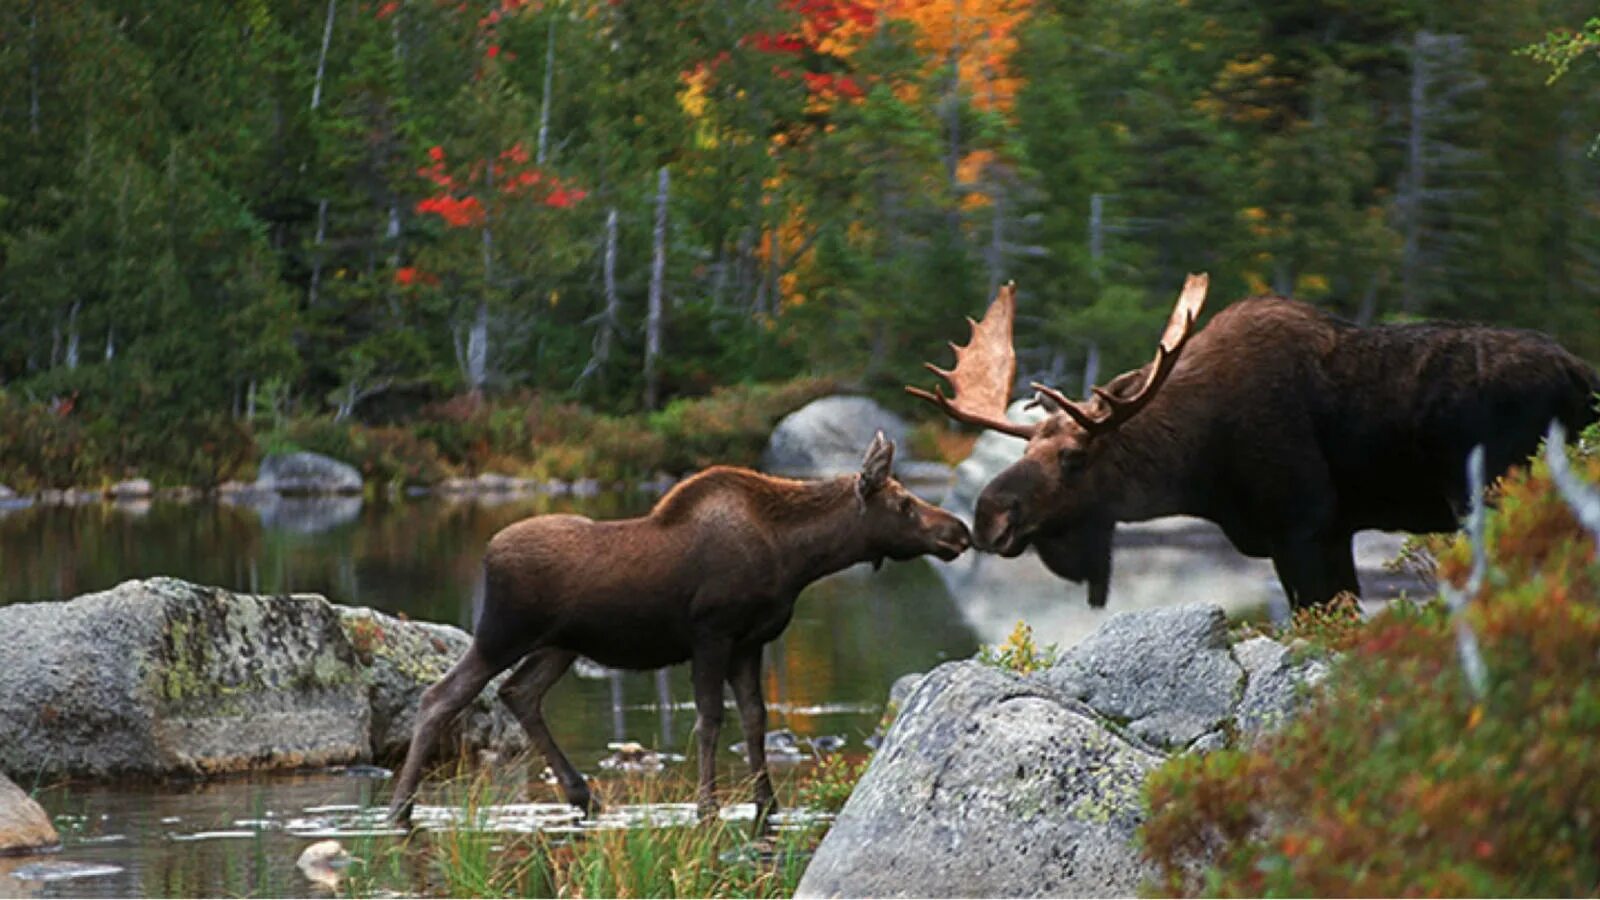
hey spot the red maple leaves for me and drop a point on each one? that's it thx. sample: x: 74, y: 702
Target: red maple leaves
x: 511, y: 175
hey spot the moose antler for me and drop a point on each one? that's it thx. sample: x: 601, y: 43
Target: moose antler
x: 1180, y: 325
x: 985, y: 369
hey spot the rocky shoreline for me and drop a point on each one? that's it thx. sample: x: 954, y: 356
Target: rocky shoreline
x: 1000, y: 784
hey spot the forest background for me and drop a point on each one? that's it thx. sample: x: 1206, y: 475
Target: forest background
x: 612, y: 237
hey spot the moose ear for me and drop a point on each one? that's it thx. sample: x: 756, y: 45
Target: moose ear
x: 875, y: 467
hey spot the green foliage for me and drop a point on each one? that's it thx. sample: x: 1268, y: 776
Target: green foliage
x: 1018, y: 653
x: 832, y: 782
x: 1397, y: 780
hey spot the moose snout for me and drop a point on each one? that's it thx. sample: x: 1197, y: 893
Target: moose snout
x: 952, y: 539
x: 995, y: 527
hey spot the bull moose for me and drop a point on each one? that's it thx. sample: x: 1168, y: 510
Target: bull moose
x: 1289, y: 428
x: 710, y: 575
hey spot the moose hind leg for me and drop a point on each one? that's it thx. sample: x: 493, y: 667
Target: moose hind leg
x: 523, y: 692
x: 1302, y: 567
x: 438, y: 707
x: 745, y: 676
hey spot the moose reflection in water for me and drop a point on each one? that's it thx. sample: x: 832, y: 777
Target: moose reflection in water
x: 1290, y: 429
x: 709, y: 576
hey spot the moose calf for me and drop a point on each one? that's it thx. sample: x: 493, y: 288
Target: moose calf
x: 710, y: 576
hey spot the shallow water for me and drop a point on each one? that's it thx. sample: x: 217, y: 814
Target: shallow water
x: 827, y: 676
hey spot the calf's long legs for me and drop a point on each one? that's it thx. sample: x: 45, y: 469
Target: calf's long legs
x: 524, y: 693
x: 709, y: 669
x: 745, y: 676
x: 439, y: 705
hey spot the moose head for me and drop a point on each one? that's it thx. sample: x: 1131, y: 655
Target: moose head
x: 898, y: 524
x: 1062, y: 494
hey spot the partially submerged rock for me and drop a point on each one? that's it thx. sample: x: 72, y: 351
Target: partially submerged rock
x: 164, y: 677
x: 24, y: 825
x: 307, y: 473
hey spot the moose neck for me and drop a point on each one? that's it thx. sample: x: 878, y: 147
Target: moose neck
x: 1147, y: 466
x: 828, y: 536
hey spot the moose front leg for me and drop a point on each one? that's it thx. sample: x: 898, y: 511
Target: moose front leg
x: 745, y: 676
x: 710, y: 669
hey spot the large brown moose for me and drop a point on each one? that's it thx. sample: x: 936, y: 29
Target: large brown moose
x: 710, y: 576
x: 1287, y: 427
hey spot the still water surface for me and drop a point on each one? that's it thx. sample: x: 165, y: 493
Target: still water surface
x: 828, y: 675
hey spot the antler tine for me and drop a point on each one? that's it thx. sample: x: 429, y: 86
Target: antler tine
x: 1180, y: 326
x: 1066, y: 404
x: 985, y: 369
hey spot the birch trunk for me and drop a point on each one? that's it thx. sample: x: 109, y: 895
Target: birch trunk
x: 322, y: 204
x: 72, y: 335
x: 478, y: 333
x: 33, y: 69
x: 1411, y: 200
x: 544, y: 104
x: 610, y: 317
x: 658, y: 274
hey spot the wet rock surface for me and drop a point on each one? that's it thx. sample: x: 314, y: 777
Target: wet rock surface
x: 991, y: 783
x: 163, y: 677
x: 24, y: 825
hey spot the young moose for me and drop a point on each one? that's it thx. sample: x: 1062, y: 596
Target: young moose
x: 710, y: 576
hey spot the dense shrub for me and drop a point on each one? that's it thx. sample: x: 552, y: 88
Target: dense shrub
x: 731, y: 424
x: 1398, y: 780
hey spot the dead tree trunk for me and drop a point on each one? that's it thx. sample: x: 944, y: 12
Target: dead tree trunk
x: 658, y: 276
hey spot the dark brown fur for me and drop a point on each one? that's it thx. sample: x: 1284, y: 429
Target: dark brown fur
x: 1292, y: 430
x: 710, y: 576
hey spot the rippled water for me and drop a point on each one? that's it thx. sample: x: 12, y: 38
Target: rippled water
x: 826, y: 678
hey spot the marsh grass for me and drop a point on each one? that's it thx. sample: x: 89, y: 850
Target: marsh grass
x: 670, y: 859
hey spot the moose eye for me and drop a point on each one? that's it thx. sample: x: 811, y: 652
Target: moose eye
x: 1071, y: 460
x: 905, y: 506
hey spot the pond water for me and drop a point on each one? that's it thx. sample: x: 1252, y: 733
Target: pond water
x: 828, y: 675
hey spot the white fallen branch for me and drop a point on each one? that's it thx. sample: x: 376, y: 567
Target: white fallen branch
x: 1584, y: 499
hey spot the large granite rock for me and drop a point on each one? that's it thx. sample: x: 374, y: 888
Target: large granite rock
x: 160, y: 677
x: 1277, y: 683
x: 306, y: 473
x: 400, y: 660
x: 24, y: 825
x: 1168, y: 673
x: 826, y: 437
x: 990, y: 785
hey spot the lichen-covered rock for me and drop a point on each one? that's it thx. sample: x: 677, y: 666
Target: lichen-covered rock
x: 1275, y: 686
x: 306, y: 473
x: 24, y: 825
x: 826, y: 437
x: 990, y: 784
x: 400, y: 660
x: 161, y: 677
x: 1167, y: 673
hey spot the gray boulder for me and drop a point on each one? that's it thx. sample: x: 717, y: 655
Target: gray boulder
x: 24, y: 825
x: 827, y: 437
x: 1168, y: 673
x: 992, y: 453
x: 163, y: 677
x: 7, y: 493
x: 989, y: 784
x: 306, y: 473
x: 306, y: 514
x: 1276, y: 685
x: 131, y: 489
x: 401, y: 659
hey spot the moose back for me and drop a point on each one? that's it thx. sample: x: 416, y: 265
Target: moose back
x: 1289, y: 428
